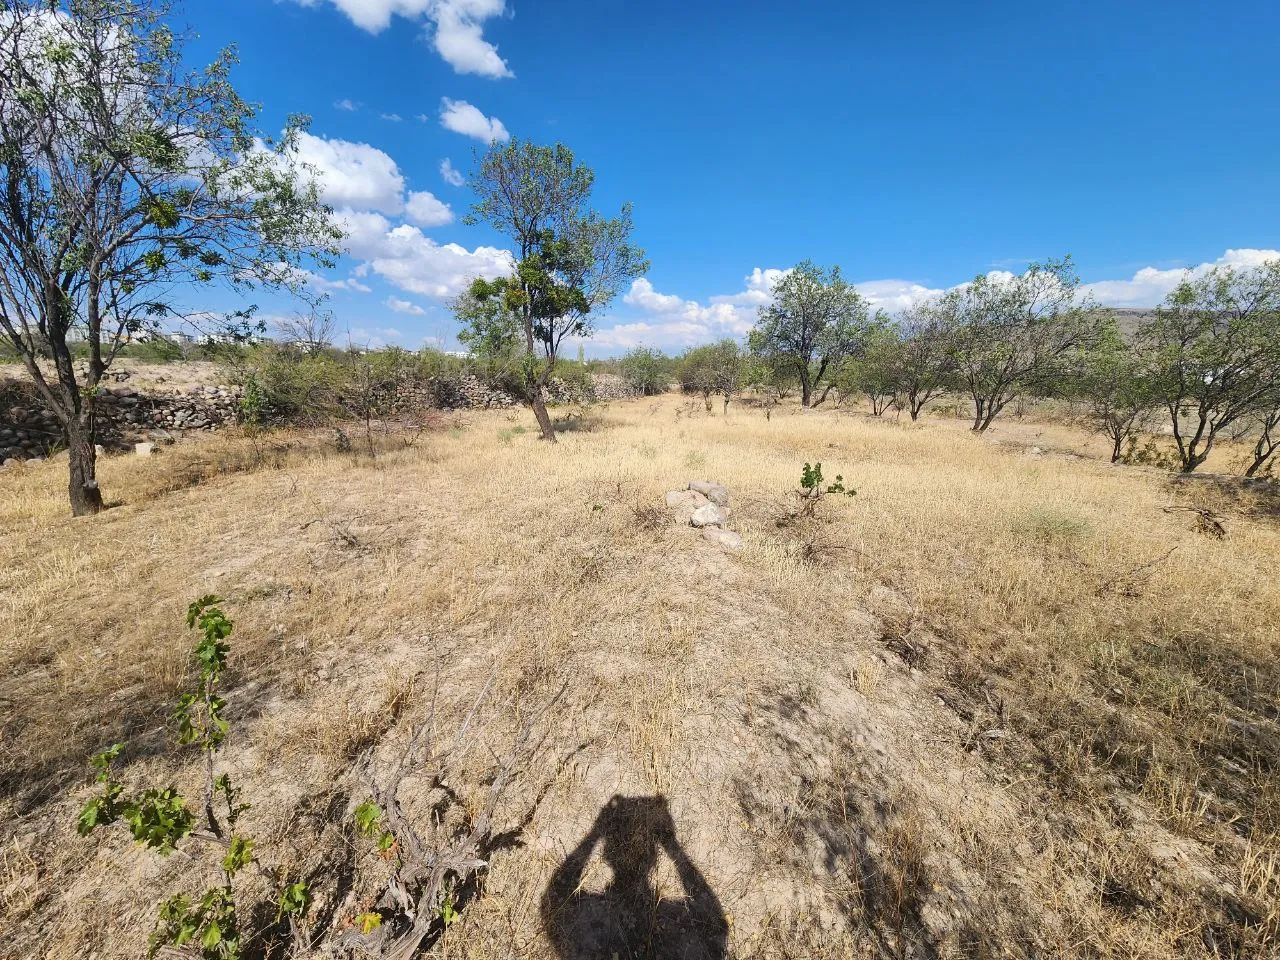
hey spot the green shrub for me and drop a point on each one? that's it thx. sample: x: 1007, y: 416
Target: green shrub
x: 208, y: 925
x: 646, y: 371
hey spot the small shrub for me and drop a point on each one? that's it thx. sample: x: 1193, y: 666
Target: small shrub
x: 207, y: 925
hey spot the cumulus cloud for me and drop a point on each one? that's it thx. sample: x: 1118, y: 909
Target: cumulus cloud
x: 673, y: 322
x: 451, y: 175
x: 457, y: 28
x: 1150, y: 285
x: 417, y: 264
x: 392, y: 117
x: 894, y: 296
x: 426, y: 210
x: 409, y: 260
x: 404, y: 306
x: 461, y: 117
x: 347, y: 104
x: 353, y: 175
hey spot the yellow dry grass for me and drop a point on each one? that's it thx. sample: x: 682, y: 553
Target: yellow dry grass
x: 999, y: 703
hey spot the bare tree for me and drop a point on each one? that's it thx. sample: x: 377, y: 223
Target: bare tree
x: 311, y: 331
x: 127, y: 181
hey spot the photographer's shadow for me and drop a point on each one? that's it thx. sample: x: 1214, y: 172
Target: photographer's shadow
x: 628, y: 920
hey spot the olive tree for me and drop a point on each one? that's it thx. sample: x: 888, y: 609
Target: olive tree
x: 1011, y: 335
x: 1214, y: 349
x: 127, y: 184
x: 816, y: 319
x: 571, y: 261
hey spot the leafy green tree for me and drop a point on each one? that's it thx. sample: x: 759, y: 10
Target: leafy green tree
x: 1118, y: 388
x: 714, y: 368
x: 1010, y: 336
x: 925, y: 367
x: 1214, y: 350
x: 876, y: 371
x: 571, y: 262
x: 646, y: 370
x: 127, y: 182
x: 816, y: 320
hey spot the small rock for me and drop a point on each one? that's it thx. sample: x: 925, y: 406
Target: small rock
x: 723, y: 538
x: 708, y: 515
x: 144, y: 449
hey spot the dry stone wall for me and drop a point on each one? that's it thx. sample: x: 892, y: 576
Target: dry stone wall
x: 128, y: 414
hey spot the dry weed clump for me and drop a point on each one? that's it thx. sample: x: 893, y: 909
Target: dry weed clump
x: 1006, y: 704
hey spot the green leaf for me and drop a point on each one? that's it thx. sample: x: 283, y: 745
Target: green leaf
x: 295, y: 899
x: 367, y: 816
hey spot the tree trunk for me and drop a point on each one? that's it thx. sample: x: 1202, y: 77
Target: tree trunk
x: 979, y: 413
x: 806, y: 387
x: 1117, y: 439
x: 86, y: 498
x: 540, y: 412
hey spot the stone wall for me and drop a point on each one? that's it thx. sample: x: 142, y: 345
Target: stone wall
x: 125, y: 416
x: 128, y: 415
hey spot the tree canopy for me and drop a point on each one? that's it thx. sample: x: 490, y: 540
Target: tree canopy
x: 129, y: 182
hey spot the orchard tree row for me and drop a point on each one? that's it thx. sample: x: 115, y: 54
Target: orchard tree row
x: 1203, y: 365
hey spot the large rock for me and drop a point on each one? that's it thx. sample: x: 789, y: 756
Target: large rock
x: 723, y: 538
x: 708, y: 515
x: 713, y: 490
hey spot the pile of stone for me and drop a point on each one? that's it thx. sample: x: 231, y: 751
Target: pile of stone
x: 27, y: 433
x: 610, y: 386
x: 129, y: 411
x: 125, y: 415
x: 705, y: 504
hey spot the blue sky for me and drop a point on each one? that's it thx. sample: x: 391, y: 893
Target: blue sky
x: 915, y: 144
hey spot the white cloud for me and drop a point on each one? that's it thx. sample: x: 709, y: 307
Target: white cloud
x: 674, y: 323
x: 404, y: 306
x: 461, y: 117
x: 426, y: 210
x: 347, y: 104
x: 392, y: 117
x: 322, y: 284
x: 643, y: 295
x: 451, y: 175
x: 894, y: 296
x: 353, y: 175
x: 459, y: 28
x: 413, y: 262
x: 1150, y: 285
x: 459, y: 36
x: 416, y: 263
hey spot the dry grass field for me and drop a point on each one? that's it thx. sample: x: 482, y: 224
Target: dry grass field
x: 1007, y: 701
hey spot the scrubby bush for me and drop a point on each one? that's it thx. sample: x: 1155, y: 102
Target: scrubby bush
x: 285, y: 386
x: 647, y: 371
